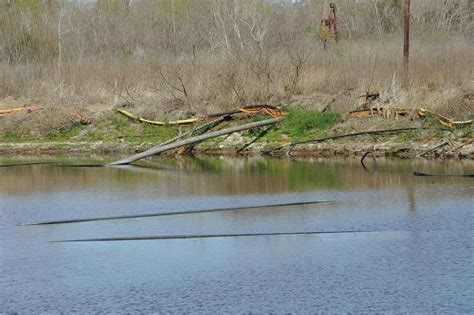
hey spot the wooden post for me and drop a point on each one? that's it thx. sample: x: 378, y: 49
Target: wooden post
x: 406, y: 45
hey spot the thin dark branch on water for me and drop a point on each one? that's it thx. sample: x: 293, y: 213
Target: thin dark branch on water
x: 428, y: 174
x: 173, y: 213
x: 373, y: 158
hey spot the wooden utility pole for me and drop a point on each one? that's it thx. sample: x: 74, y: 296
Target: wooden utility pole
x: 406, y: 45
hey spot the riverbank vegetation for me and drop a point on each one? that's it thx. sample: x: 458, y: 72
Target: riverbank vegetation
x: 172, y: 59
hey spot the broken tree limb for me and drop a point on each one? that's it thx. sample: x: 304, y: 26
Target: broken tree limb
x: 161, y: 149
x: 384, y: 111
x: 467, y: 142
x: 445, y: 121
x: 444, y: 144
x: 30, y: 109
x: 159, y: 123
x: 435, y: 148
x: 273, y: 111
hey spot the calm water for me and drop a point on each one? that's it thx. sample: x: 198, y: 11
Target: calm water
x: 418, y: 256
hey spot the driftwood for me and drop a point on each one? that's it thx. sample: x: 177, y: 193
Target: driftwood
x: 157, y: 150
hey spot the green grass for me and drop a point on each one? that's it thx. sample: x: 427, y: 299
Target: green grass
x: 300, y: 122
x: 64, y: 134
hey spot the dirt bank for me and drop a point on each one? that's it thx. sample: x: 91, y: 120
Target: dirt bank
x: 235, y: 144
x: 303, y: 133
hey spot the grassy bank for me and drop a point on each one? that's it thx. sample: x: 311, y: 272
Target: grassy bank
x: 112, y: 132
x: 167, y: 60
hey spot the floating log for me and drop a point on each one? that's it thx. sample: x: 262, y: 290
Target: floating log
x: 194, y: 236
x: 428, y: 174
x: 148, y: 215
x: 161, y: 149
x: 26, y: 164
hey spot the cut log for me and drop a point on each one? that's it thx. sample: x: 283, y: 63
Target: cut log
x: 157, y: 150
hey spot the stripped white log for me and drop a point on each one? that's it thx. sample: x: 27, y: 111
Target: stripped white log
x: 213, y: 134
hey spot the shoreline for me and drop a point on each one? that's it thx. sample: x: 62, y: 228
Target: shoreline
x: 329, y: 149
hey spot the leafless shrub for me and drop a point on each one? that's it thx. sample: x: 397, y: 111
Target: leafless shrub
x: 193, y: 56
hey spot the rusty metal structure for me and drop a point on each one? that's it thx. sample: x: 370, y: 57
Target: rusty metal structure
x: 329, y: 25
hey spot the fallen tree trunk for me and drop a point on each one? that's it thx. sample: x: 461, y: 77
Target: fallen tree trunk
x: 31, y: 109
x: 161, y: 149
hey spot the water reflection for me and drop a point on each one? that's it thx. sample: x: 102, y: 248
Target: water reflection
x: 231, y: 176
x: 418, y: 260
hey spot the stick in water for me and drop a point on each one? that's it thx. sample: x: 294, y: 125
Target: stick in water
x: 181, y: 237
x: 147, y: 215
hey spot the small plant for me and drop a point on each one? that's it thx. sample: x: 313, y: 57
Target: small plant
x: 299, y: 121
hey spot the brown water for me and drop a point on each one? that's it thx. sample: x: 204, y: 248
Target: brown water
x: 417, y: 256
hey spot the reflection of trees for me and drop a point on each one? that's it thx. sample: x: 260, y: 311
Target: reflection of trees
x: 411, y: 197
x: 212, y: 175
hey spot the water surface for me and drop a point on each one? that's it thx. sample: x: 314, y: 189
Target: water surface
x: 417, y: 257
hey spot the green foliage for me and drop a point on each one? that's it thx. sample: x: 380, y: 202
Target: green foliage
x: 10, y: 136
x: 299, y: 121
x: 64, y: 133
